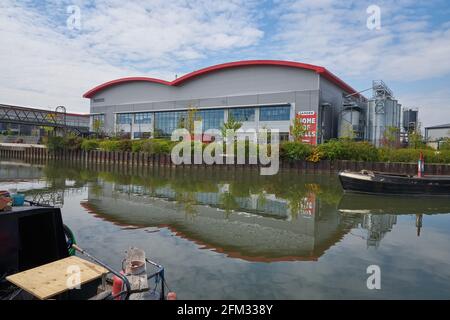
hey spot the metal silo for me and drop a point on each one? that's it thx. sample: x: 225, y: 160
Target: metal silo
x: 383, y: 111
x: 410, y: 118
x: 350, y: 122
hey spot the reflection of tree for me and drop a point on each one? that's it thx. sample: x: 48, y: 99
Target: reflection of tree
x: 228, y: 203
x: 97, y: 189
x: 187, y: 202
x: 57, y: 174
x: 296, y: 201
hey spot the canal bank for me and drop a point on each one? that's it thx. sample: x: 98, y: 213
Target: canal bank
x: 144, y: 159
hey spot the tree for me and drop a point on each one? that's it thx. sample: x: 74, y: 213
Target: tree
x: 445, y: 144
x: 188, y: 122
x: 97, y: 125
x: 298, y: 129
x: 415, y: 139
x: 231, y: 125
x: 391, y: 137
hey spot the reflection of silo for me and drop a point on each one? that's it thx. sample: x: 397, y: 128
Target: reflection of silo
x: 409, y: 120
x: 383, y: 111
x: 349, y: 126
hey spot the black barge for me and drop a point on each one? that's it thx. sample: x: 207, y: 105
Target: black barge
x: 372, y: 182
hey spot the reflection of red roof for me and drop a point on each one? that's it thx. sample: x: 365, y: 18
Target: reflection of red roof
x: 313, y: 255
x: 320, y: 70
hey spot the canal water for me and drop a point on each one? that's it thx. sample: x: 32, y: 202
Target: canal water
x: 226, y: 234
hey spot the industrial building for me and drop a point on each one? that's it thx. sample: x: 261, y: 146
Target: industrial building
x: 435, y: 135
x: 267, y: 94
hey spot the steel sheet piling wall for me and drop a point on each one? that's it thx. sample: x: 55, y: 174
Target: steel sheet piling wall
x: 126, y: 160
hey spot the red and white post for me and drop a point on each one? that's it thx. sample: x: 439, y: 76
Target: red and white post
x: 420, y: 166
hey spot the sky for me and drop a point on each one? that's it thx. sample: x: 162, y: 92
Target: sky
x: 51, y: 52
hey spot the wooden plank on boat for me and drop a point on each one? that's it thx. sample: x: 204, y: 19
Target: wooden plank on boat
x: 51, y: 279
x: 136, y: 271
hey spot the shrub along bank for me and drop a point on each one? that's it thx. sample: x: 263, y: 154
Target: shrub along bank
x: 331, y: 150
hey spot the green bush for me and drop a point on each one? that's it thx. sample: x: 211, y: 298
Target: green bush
x: 348, y: 150
x: 89, y: 144
x: 136, y: 145
x: 115, y: 145
x: 445, y: 145
x: 69, y: 142
x: 72, y: 142
x: 295, y: 150
x: 363, y: 151
x: 412, y: 155
x: 154, y: 146
x: 55, y: 143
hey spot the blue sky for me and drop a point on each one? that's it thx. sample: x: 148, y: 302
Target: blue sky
x: 45, y: 63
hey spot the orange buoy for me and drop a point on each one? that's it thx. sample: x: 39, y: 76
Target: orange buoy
x: 171, y: 296
x: 117, y: 286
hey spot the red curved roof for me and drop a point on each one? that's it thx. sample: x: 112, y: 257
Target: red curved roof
x: 320, y: 70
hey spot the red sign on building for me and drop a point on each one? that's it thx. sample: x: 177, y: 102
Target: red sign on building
x: 309, y: 121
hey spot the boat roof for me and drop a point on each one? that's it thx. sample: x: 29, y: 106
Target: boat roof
x: 441, y: 126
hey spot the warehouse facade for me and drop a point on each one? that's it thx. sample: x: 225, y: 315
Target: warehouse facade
x: 262, y: 94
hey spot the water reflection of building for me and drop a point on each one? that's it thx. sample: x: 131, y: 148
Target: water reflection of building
x: 260, y: 227
x: 10, y: 171
x: 264, y: 203
x: 377, y: 225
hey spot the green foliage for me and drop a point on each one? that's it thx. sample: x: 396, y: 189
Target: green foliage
x: 298, y: 129
x: 72, y: 142
x: 97, y: 126
x: 188, y: 123
x: 153, y: 146
x: 55, y: 143
x: 391, y: 137
x: 332, y: 150
x: 348, y: 150
x: 295, y: 150
x: 416, y: 140
x: 89, y: 144
x: 231, y: 124
x: 115, y: 145
x: 445, y: 145
x: 412, y: 155
x: 68, y: 142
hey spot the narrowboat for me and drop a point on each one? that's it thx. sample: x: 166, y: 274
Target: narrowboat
x: 39, y: 259
x: 372, y: 182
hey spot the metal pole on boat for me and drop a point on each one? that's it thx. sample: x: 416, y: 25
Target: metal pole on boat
x: 118, y: 274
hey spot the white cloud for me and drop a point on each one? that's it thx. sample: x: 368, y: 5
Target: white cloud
x: 333, y: 33
x: 46, y: 64
x: 43, y: 63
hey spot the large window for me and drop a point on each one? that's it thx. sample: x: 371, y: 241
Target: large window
x: 124, y: 118
x: 242, y: 114
x: 100, y: 118
x: 167, y: 122
x: 275, y: 113
x: 143, y: 118
x: 212, y: 119
x: 142, y: 135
